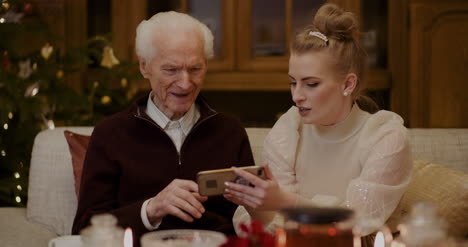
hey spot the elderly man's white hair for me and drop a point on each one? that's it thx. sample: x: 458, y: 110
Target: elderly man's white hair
x: 145, y: 33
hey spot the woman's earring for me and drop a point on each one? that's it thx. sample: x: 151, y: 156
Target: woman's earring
x: 345, y: 93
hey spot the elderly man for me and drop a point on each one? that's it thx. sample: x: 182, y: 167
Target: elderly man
x: 141, y: 163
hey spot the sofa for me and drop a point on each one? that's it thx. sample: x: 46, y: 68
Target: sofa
x: 52, y: 200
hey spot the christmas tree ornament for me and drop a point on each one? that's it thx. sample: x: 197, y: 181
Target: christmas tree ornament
x: 108, y: 58
x: 123, y: 82
x: 25, y: 69
x: 59, y: 74
x: 32, y: 90
x: 27, y: 8
x: 5, y: 5
x: 6, y: 64
x: 105, y: 100
x: 50, y: 124
x: 46, y: 51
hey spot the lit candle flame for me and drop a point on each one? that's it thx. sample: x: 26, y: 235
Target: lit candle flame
x: 128, y: 238
x: 379, y: 240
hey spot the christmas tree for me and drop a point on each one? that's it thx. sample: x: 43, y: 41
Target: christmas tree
x: 35, y: 92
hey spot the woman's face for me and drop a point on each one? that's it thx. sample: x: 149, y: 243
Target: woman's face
x: 317, y: 88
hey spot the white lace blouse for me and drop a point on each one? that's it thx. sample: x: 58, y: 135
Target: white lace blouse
x: 363, y: 163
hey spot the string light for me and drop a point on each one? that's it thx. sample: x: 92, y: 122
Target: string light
x: 19, y: 187
x: 2, y: 20
x: 5, y: 126
x: 10, y: 115
x: 3, y: 153
x: 17, y: 175
x: 18, y: 199
x: 34, y: 91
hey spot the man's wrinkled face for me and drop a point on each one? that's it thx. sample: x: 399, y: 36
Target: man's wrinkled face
x: 176, y: 72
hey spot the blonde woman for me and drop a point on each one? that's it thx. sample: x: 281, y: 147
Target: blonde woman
x: 327, y: 150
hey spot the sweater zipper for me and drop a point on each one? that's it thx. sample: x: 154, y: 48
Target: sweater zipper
x: 157, y: 126
x: 181, y: 148
x: 190, y: 134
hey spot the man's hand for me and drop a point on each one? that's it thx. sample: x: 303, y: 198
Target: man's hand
x: 180, y: 198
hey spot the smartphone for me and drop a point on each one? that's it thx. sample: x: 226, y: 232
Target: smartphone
x: 211, y: 183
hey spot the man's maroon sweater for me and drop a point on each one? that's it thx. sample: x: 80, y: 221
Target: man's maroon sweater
x: 131, y: 159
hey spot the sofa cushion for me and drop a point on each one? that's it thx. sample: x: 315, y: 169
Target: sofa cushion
x: 446, y: 147
x: 51, y: 195
x: 447, y: 188
x: 78, y: 145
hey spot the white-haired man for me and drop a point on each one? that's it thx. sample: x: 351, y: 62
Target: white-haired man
x: 141, y: 163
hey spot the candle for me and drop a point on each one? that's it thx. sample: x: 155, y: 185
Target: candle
x: 128, y: 238
x: 379, y: 240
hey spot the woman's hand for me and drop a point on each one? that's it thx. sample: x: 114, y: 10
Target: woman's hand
x: 265, y: 195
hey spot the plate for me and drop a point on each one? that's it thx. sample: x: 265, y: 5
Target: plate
x: 66, y: 241
x: 183, y: 238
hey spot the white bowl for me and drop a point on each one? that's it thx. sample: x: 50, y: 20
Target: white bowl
x: 183, y: 238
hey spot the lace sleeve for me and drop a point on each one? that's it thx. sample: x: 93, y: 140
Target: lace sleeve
x: 279, y: 151
x: 385, y: 174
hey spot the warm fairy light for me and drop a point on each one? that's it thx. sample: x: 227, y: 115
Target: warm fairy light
x: 34, y: 91
x: 10, y: 115
x: 3, y: 153
x: 379, y: 240
x: 18, y: 199
x: 50, y: 124
x: 2, y: 20
x: 5, y: 126
x: 128, y: 238
x: 19, y: 187
x: 17, y: 175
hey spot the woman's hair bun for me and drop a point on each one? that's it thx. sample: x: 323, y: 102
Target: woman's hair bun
x: 336, y: 23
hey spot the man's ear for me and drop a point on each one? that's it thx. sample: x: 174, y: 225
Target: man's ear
x: 144, y: 70
x: 350, y: 83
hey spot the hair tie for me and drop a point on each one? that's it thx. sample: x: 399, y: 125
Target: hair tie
x: 319, y: 35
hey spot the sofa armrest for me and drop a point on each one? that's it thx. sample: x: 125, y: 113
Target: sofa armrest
x: 16, y: 230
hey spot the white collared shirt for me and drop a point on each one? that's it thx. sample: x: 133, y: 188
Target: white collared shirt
x: 177, y: 130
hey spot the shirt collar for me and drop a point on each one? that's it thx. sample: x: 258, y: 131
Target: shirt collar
x: 186, y: 122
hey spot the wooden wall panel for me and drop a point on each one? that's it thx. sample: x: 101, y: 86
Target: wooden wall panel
x: 438, y: 64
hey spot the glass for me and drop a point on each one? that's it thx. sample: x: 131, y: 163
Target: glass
x: 103, y: 231
x: 317, y: 227
x: 154, y: 7
x: 423, y: 227
x: 209, y: 12
x: 268, y: 28
x: 99, y: 17
x: 374, y: 37
x: 303, y: 13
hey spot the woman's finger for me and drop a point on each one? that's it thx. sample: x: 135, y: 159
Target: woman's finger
x: 251, y: 201
x: 268, y: 173
x: 252, y: 191
x: 255, y: 180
